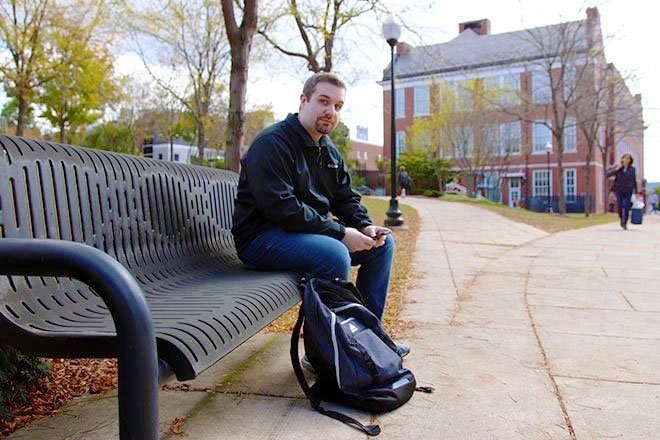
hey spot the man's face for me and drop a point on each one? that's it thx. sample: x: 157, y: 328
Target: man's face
x: 320, y: 113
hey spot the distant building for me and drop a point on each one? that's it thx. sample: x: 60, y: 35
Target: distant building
x: 362, y: 133
x: 366, y: 154
x: 178, y: 151
x: 507, y: 60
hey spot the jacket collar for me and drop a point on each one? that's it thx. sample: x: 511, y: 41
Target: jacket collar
x: 293, y: 122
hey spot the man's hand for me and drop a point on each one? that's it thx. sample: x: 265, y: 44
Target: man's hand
x: 356, y: 241
x: 373, y: 231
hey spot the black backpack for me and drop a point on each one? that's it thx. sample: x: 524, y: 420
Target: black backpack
x: 356, y: 362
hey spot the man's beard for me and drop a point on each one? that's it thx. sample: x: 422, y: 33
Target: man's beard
x: 323, y: 127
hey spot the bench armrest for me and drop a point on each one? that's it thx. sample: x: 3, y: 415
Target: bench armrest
x: 138, y: 360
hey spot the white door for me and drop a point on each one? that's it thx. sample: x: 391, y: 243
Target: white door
x: 514, y: 191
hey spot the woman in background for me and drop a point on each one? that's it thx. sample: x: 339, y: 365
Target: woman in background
x: 625, y: 185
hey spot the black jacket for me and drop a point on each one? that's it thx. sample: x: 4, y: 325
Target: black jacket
x: 624, y: 180
x: 290, y: 181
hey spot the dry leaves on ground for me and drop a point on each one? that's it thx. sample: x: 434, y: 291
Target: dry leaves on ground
x: 69, y: 379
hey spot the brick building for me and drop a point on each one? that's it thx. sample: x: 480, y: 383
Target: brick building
x: 366, y: 154
x: 514, y: 62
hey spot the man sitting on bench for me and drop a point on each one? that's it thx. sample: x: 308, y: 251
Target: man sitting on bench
x: 291, y: 178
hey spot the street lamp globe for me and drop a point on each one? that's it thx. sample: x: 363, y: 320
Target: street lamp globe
x: 391, y: 31
x: 548, y: 147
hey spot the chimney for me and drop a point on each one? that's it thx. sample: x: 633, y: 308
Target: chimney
x: 402, y: 48
x: 481, y: 27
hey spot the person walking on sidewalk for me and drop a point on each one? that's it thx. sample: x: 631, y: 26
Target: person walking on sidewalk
x: 292, y: 177
x: 405, y: 181
x: 625, y: 185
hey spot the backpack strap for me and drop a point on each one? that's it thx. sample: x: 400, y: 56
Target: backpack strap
x: 371, y: 430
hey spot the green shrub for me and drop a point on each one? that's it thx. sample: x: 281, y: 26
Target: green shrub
x: 357, y: 181
x: 432, y: 193
x: 18, y: 373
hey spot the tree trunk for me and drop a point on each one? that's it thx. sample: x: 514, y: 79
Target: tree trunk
x: 240, y: 41
x: 62, y: 127
x: 606, y: 190
x: 236, y: 116
x: 560, y: 176
x: 201, y: 139
x: 587, y: 181
x: 22, y: 114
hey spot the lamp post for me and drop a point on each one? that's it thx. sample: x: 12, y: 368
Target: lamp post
x: 391, y: 33
x: 548, y: 149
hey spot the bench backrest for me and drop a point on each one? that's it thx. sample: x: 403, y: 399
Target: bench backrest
x: 161, y: 220
x: 143, y: 212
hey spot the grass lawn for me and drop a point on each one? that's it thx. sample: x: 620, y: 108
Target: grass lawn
x: 401, y: 270
x: 541, y: 220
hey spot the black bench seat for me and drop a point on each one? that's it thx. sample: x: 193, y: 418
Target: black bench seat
x: 92, y: 241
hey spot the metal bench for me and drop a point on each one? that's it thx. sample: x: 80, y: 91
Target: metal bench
x: 111, y: 255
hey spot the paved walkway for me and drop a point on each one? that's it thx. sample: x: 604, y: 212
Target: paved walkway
x: 525, y: 335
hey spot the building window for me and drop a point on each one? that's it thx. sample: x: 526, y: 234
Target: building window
x: 400, y: 142
x: 464, y: 146
x: 542, y: 182
x: 570, y: 132
x: 362, y: 133
x: 541, y: 136
x: 569, y: 184
x: 421, y: 101
x: 365, y: 156
x: 400, y: 103
x: 358, y: 154
x: 465, y: 95
x: 380, y: 157
x: 510, y: 138
x: 510, y: 89
x: 492, y: 141
x: 176, y: 157
x: 569, y: 83
x: 540, y: 87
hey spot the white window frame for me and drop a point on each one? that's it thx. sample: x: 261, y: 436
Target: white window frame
x: 465, y: 148
x: 510, y: 89
x: 446, y: 147
x: 539, y: 148
x: 570, y: 135
x: 422, y: 101
x: 400, y: 103
x: 358, y: 155
x: 567, y: 171
x: 366, y: 157
x: 535, y: 179
x: 400, y: 142
x: 504, y: 138
x: 541, y: 88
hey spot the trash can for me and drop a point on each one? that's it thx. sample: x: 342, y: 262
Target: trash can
x: 636, y: 215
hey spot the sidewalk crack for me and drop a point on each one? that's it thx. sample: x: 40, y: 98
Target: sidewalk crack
x: 546, y: 364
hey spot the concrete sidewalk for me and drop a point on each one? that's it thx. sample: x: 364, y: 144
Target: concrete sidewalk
x: 523, y: 334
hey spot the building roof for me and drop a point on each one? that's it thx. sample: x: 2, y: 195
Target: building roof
x: 470, y: 50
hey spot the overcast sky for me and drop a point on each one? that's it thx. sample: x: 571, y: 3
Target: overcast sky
x: 629, y: 27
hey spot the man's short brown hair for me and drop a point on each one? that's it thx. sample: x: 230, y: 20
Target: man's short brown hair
x: 312, y: 81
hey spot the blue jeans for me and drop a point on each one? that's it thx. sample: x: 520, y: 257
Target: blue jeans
x: 623, y: 205
x: 324, y: 257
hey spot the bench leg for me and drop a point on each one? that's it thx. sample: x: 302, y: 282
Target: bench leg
x: 138, y: 397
